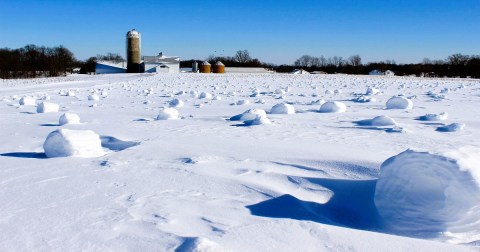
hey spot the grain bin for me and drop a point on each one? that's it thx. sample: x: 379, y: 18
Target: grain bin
x: 194, y: 67
x: 133, y: 52
x: 219, y: 67
x: 205, y: 67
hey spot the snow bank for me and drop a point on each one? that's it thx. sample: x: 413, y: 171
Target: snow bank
x: 27, y: 101
x: 282, y: 108
x: 167, y: 114
x: 47, y: 107
x: 399, y: 102
x: 176, y: 103
x: 425, y: 193
x: 333, y: 107
x: 76, y: 143
x: 69, y: 118
x: 250, y: 114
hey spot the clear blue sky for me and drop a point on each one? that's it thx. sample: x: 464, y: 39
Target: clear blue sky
x: 273, y: 31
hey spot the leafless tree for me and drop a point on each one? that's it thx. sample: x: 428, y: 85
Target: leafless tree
x: 242, y: 56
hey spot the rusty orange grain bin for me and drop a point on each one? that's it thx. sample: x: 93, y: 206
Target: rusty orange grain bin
x: 205, y: 67
x: 219, y: 67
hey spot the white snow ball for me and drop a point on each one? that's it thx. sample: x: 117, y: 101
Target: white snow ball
x: 435, y: 117
x: 451, y: 127
x: 70, y: 93
x: 47, y: 107
x: 27, y: 101
x: 280, y: 91
x: 205, y: 95
x: 282, y: 108
x: 168, y: 114
x: 364, y: 99
x: 328, y: 92
x: 372, y: 91
x: 399, y: 102
x: 333, y: 107
x: 337, y: 91
x: 45, y: 97
x: 93, y: 97
x: 69, y: 118
x: 217, y: 98
x: 382, y: 121
x: 243, y: 102
x: 249, y: 115
x: 104, y: 93
x: 76, y: 143
x: 176, y: 103
x: 430, y: 193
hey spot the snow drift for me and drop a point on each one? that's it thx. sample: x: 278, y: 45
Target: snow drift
x: 425, y: 193
x: 76, y: 143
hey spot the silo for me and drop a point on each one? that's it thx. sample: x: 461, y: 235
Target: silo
x: 133, y: 52
x: 194, y: 67
x: 205, y: 67
x: 219, y: 67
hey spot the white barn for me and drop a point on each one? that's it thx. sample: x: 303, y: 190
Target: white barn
x: 161, y: 64
x: 108, y: 67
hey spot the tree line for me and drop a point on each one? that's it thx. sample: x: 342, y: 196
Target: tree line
x: 456, y: 65
x: 35, y: 61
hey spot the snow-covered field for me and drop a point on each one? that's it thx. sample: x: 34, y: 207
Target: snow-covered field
x: 172, y: 163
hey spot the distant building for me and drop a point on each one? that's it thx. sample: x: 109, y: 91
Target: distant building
x: 137, y: 64
x: 299, y: 71
x: 389, y: 73
x: 161, y: 64
x: 376, y: 72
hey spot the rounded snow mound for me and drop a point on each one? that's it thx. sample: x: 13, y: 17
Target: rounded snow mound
x: 176, y: 103
x: 333, y: 107
x: 259, y: 120
x: 382, y: 121
x: 282, y: 108
x: 168, y: 114
x: 434, y: 117
x: 426, y: 194
x: 399, y: 102
x: 47, y: 107
x: 69, y: 118
x: 93, y: 97
x: 250, y: 114
x: 73, y: 143
x: 27, y: 101
x: 243, y: 102
x: 451, y: 127
x: 205, y: 95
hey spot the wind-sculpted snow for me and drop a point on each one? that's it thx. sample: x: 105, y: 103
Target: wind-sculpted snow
x: 251, y: 166
x: 427, y: 194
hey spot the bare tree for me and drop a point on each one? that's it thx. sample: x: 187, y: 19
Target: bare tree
x: 304, y: 61
x: 242, y: 56
x: 355, y: 60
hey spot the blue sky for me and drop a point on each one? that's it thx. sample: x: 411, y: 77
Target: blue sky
x: 273, y: 31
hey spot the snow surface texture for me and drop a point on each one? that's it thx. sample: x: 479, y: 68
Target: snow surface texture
x: 425, y: 193
x: 306, y: 182
x: 73, y: 143
x: 399, y: 102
